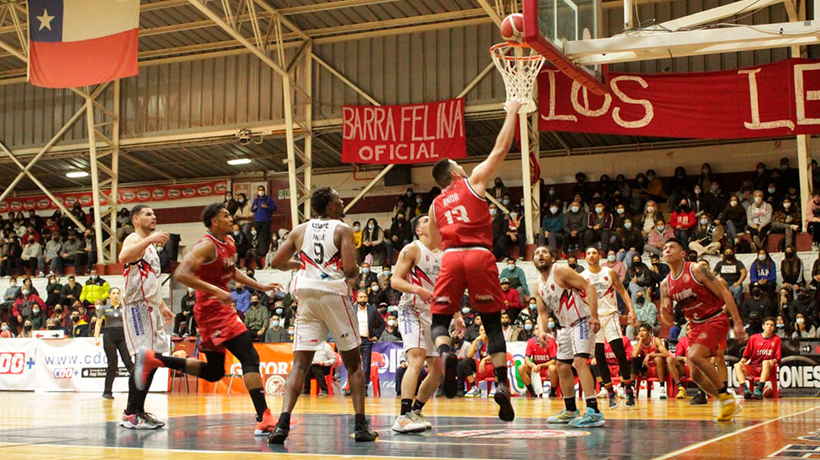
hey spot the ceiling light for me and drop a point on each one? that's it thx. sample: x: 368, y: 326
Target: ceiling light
x: 77, y: 174
x: 239, y: 161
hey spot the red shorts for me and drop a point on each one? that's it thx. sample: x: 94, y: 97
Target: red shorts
x: 752, y: 371
x: 614, y: 369
x: 474, y: 270
x: 217, y: 324
x: 488, y: 371
x: 711, y: 334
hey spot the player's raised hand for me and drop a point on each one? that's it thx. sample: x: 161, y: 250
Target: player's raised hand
x: 425, y: 295
x: 159, y: 237
x: 512, y: 106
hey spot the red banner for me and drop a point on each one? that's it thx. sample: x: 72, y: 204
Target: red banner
x: 779, y: 99
x: 403, y: 134
x: 127, y: 196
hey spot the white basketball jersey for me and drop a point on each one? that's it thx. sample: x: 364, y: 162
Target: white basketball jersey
x: 142, y: 280
x: 607, y: 303
x: 321, y: 260
x: 423, y: 274
x: 568, y: 305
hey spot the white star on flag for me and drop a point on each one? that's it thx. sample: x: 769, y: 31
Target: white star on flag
x: 45, y: 20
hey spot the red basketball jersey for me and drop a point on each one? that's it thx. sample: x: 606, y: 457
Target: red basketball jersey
x: 696, y: 300
x: 220, y: 270
x: 463, y: 217
x: 760, y: 349
x: 647, y: 349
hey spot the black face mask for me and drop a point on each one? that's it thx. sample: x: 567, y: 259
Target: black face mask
x: 640, y: 300
x: 755, y: 293
x: 505, y: 323
x: 362, y: 303
x: 75, y: 318
x: 730, y: 257
x: 572, y: 266
x: 789, y: 255
x: 28, y: 327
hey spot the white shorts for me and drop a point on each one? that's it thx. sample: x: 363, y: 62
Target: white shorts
x: 610, y: 329
x: 144, y: 327
x: 323, y: 312
x: 575, y: 340
x: 414, y: 326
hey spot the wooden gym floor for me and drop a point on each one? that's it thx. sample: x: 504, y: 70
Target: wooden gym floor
x: 83, y: 426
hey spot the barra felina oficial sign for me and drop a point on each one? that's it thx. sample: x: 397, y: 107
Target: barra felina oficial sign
x: 404, y: 134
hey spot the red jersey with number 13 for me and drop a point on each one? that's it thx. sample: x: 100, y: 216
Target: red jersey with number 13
x: 463, y: 217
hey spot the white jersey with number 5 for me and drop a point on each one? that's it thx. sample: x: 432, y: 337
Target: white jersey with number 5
x: 321, y: 261
x: 568, y: 305
x: 604, y: 287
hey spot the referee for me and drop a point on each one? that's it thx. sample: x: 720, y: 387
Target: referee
x: 113, y: 338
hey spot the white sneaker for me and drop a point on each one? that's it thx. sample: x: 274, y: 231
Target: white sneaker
x: 622, y: 393
x: 602, y: 394
x: 422, y: 419
x: 472, y: 393
x: 408, y: 423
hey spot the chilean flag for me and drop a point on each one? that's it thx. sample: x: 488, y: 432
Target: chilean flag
x: 76, y: 43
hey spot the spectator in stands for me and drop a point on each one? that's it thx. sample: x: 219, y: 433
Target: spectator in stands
x: 5, y: 331
x: 51, y: 227
x: 773, y: 195
x: 683, y: 220
x: 514, y: 233
x: 803, y: 329
x: 409, y: 199
x: 71, y: 292
x: 659, y: 271
x: 371, y: 326
x: 241, y: 242
x: 256, y: 319
x: 164, y: 258
x: 53, y: 289
x: 511, y: 332
x: 658, y: 237
x: 367, y: 275
x: 552, y: 227
x: 184, y: 322
x: 707, y: 236
x: 276, y: 333
x: 760, y: 178
x: 788, y: 175
x: 581, y: 187
x: 638, y: 276
x: 33, y: 257
x: 782, y: 329
x: 786, y: 220
x: 575, y: 227
x: 640, y: 194
x: 531, y: 312
x: 697, y: 201
x: 13, y: 259
x: 401, y: 234
x: 715, y: 199
x: 88, y: 249
x: 242, y: 297
x: 760, y: 358
x: 95, y: 289
x: 499, y: 223
x: 815, y: 277
x: 357, y: 236
x: 757, y: 303
x: 512, y: 300
x: 243, y: 215
x: 734, y: 219
x: 613, y: 263
x: 733, y: 272
x: 373, y: 242
x: 759, y: 219
x: 649, y: 219
x: 25, y: 305
x: 263, y: 207
x: 813, y: 216
x: 804, y: 304
x: 655, y: 186
x: 8, y: 298
x: 53, y: 249
x: 257, y: 247
x: 706, y: 176
x: 622, y: 213
x: 323, y: 361
x: 572, y: 263
x: 791, y: 270
x: 517, y: 277
x: 72, y: 252
x: 499, y: 189
x: 630, y: 242
x: 230, y: 203
x: 764, y: 273
x: 30, y: 234
x: 679, y: 187
x: 391, y: 332
x: 600, y: 224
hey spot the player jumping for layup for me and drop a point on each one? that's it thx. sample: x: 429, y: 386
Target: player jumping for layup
x: 208, y: 268
x: 606, y: 283
x: 415, y: 275
x: 701, y: 296
x: 573, y: 301
x: 327, y: 264
x: 460, y: 221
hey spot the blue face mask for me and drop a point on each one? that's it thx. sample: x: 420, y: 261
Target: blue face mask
x: 5, y: 327
x: 533, y: 306
x: 279, y: 311
x: 550, y: 325
x: 274, y: 323
x: 465, y: 311
x: 528, y: 327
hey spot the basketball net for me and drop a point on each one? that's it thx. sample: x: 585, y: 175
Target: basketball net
x: 519, y: 66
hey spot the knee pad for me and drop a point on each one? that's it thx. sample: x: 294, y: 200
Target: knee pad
x: 211, y: 373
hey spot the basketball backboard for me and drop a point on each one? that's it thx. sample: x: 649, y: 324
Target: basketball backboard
x: 549, y: 24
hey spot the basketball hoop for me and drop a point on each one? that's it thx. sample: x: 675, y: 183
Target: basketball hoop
x: 519, y: 70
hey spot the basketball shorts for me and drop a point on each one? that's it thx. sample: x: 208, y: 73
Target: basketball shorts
x: 217, y: 324
x: 576, y: 340
x: 414, y: 326
x: 610, y: 329
x: 473, y: 269
x: 752, y: 371
x: 711, y: 334
x: 320, y: 313
x: 144, y: 327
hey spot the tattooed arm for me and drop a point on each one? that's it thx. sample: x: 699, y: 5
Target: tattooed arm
x: 719, y: 289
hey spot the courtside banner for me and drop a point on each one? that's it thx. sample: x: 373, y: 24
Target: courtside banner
x: 17, y: 363
x: 403, y: 134
x: 779, y: 99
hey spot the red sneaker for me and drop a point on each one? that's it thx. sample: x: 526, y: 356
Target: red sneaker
x: 146, y: 363
x: 267, y: 424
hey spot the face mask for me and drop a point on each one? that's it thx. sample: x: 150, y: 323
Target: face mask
x: 787, y: 205
x: 374, y: 288
x: 191, y: 291
x: 28, y: 327
x: 575, y: 209
x: 714, y: 188
x: 5, y: 327
x: 365, y: 270
x: 599, y: 209
x: 387, y: 273
x: 505, y: 202
x: 236, y: 233
x: 800, y: 321
x: 697, y: 191
x: 419, y: 200
x: 554, y: 210
x: 640, y: 300
x: 761, y: 258
x: 533, y: 306
x: 789, y: 255
x: 505, y: 323
x: 75, y: 318
x: 733, y: 203
x: 274, y: 323
x: 52, y: 282
x: 730, y: 257
x: 572, y: 266
x: 771, y: 190
x: 661, y: 228
x: 401, y: 220
x: 465, y: 311
x: 35, y: 310
x: 371, y: 227
x: 409, y: 193
x: 362, y: 303
x: 493, y: 211
x: 356, y: 228
x: 650, y: 177
x: 758, y: 200
x: 528, y: 327
x: 610, y: 259
x: 650, y: 209
x: 781, y: 326
x: 513, y: 215
x: 684, y: 207
x: 784, y: 167
x: 704, y: 222
x: 620, y: 210
x: 552, y: 192
x: 550, y: 325
x: 628, y: 225
x: 260, y: 193
x: 253, y: 232
x: 25, y: 292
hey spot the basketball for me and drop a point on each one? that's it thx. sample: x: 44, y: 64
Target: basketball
x: 512, y: 28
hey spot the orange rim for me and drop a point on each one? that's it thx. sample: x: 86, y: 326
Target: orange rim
x: 499, y: 50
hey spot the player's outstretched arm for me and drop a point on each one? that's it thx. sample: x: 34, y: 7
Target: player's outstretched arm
x: 134, y: 247
x: 202, y: 253
x: 407, y: 259
x: 486, y: 169
x: 720, y: 289
x: 248, y: 281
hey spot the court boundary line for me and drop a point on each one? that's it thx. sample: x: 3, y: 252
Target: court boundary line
x: 706, y: 442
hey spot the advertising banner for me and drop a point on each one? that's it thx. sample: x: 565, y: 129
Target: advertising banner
x: 17, y: 363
